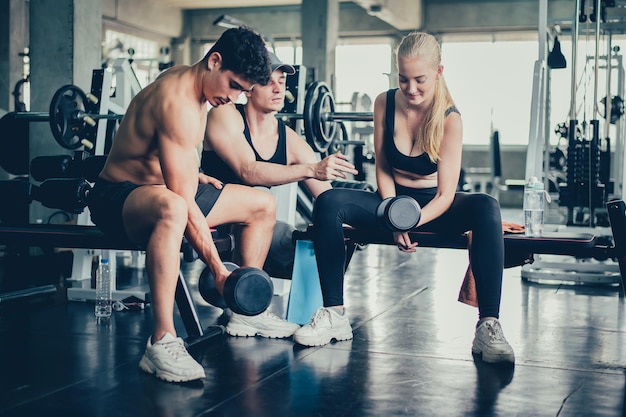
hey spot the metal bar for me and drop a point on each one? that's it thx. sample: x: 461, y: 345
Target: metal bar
x: 573, y: 90
x: 187, y: 309
x: 355, y: 117
x: 596, y: 62
x: 109, y: 116
x: 350, y: 142
x: 45, y: 116
x: 609, y: 97
x: 32, y: 116
x: 331, y: 116
x: 28, y: 292
x: 289, y: 116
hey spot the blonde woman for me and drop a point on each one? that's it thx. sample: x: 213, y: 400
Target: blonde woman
x: 418, y: 136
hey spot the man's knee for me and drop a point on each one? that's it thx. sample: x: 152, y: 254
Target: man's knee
x: 265, y: 205
x: 172, y: 208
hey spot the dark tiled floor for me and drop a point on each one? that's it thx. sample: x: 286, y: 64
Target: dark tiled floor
x: 410, y: 355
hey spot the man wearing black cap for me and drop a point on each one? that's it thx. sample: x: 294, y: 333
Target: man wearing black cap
x: 247, y: 144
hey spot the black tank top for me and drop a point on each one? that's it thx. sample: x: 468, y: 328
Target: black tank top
x: 214, y: 166
x: 420, y: 164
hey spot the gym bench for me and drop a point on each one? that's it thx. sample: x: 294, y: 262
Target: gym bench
x: 518, y: 248
x: 90, y: 237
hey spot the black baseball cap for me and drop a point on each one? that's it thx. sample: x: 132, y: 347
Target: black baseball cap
x: 278, y: 64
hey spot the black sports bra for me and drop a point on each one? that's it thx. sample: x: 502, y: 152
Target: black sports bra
x: 214, y: 166
x: 420, y: 164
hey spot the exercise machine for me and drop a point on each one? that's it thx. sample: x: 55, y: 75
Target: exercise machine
x: 587, y: 186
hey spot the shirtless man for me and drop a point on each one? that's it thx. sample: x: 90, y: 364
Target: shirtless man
x: 246, y: 144
x: 151, y: 191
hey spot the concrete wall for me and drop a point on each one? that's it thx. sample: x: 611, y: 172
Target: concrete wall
x: 13, y: 40
x: 282, y: 23
x: 143, y: 18
x: 491, y: 15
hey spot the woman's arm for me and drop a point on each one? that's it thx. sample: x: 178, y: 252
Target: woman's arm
x: 384, y: 174
x: 448, y: 169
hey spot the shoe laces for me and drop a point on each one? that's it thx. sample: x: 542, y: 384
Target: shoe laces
x: 175, y: 348
x: 495, y: 331
x: 320, y: 314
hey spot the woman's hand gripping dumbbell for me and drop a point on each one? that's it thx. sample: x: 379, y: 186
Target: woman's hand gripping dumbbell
x: 399, y: 214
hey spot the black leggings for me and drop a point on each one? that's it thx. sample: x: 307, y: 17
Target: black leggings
x: 479, y: 213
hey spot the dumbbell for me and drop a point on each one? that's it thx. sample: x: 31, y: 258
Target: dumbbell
x: 398, y: 214
x: 247, y: 290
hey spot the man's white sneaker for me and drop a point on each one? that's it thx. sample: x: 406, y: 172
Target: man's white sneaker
x: 490, y: 342
x: 169, y: 360
x: 327, y: 324
x: 266, y: 324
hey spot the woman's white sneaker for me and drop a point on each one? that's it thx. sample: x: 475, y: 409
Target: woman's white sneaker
x: 266, y: 324
x: 491, y: 343
x: 327, y: 324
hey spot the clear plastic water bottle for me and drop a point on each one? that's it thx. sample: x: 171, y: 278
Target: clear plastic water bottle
x: 534, y: 207
x: 103, y: 289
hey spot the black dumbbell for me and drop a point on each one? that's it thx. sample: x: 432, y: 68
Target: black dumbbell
x: 247, y: 290
x: 398, y: 214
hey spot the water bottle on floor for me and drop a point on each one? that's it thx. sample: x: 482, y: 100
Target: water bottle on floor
x: 103, y: 289
x: 534, y: 207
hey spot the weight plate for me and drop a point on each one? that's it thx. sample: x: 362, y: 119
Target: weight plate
x: 324, y: 128
x: 66, y: 127
x: 338, y: 142
x: 312, y: 117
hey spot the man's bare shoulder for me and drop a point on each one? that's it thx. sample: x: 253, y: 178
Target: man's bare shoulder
x: 224, y: 119
x: 179, y: 85
x: 224, y: 112
x: 175, y: 70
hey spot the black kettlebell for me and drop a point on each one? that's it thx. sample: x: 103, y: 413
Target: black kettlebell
x: 247, y: 290
x: 398, y: 214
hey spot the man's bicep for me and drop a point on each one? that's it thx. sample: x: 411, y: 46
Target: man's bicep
x: 178, y: 156
x: 234, y: 150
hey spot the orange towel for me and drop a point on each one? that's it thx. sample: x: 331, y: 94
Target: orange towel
x: 467, y: 294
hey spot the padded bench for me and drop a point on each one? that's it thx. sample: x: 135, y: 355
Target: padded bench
x: 517, y: 247
x: 90, y: 237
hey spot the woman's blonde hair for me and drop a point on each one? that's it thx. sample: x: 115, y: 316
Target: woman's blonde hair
x: 426, y: 46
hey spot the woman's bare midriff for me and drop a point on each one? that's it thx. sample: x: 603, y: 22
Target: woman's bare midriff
x: 411, y: 180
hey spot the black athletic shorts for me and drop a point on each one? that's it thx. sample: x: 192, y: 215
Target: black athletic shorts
x: 106, y: 202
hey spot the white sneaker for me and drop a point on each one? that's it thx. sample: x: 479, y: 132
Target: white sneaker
x: 169, y: 360
x: 490, y: 342
x: 327, y: 324
x: 266, y: 324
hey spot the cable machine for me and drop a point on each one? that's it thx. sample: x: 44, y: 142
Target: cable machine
x: 588, y: 180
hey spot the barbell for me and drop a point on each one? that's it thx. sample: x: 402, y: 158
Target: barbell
x: 69, y: 116
x: 320, y: 117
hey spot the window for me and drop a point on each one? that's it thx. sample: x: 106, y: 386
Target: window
x: 491, y: 83
x: 362, y: 69
x: 145, y: 56
x: 493, y: 89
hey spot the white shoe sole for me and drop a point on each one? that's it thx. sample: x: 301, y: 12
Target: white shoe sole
x: 494, y: 357
x: 245, y: 331
x: 146, y: 365
x: 317, y: 341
